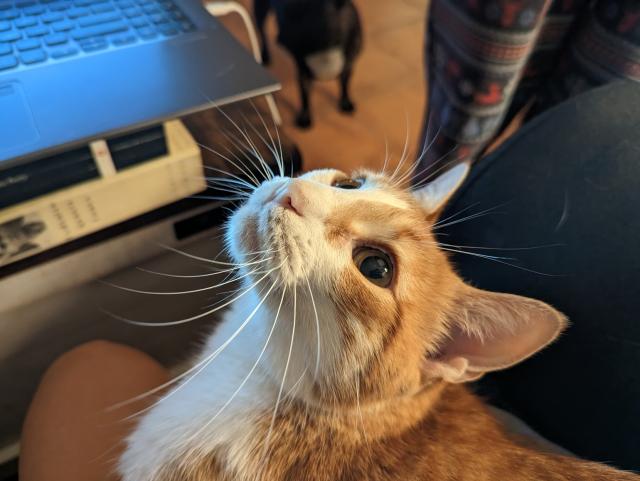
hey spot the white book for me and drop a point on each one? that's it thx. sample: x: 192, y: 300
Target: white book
x: 51, y: 220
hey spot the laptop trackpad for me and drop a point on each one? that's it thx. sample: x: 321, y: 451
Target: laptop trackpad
x: 17, y: 126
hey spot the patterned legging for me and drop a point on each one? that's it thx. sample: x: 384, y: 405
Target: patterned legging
x: 487, y: 59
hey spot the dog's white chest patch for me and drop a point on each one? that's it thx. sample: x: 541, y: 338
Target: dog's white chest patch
x: 326, y: 65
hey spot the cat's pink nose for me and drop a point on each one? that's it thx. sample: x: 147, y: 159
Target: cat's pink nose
x: 292, y: 199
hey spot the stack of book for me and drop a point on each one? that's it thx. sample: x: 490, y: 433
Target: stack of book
x: 54, y: 200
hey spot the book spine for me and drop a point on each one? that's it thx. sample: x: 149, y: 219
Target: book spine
x: 44, y: 176
x: 103, y: 157
x: 38, y: 225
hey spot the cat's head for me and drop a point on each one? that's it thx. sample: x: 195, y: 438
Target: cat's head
x: 356, y: 257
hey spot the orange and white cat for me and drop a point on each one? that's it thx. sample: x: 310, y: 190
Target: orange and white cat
x: 345, y: 353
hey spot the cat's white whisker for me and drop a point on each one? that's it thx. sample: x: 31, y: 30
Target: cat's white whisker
x: 215, y: 271
x: 192, y: 318
x: 403, y: 156
x: 186, y: 276
x: 437, y: 169
x: 284, y: 377
x: 427, y: 144
x: 230, y: 175
x: 230, y: 178
x: 225, y: 187
x: 212, y: 261
x: 230, y: 182
x: 385, y: 164
x: 440, y: 225
x: 277, y: 149
x: 500, y: 260
x: 315, y: 313
x: 244, y: 151
x: 267, y: 173
x: 203, y: 364
x: 456, y: 214
x: 230, y: 190
x: 525, y: 248
x: 177, y: 293
x: 253, y: 368
x: 411, y: 171
x: 270, y: 146
x: 256, y: 152
x: 245, y: 170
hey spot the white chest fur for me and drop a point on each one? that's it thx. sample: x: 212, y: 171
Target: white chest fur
x: 216, y: 408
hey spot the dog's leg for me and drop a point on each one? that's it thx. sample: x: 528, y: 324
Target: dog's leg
x: 346, y: 105
x: 303, y: 120
x: 260, y: 11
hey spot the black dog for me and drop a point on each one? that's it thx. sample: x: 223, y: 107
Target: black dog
x: 323, y: 36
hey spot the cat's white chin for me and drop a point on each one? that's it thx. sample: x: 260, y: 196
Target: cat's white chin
x: 283, y: 235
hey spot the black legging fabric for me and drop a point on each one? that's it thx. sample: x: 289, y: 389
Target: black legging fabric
x: 566, y: 189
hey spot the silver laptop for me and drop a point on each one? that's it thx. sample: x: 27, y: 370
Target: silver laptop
x: 73, y: 70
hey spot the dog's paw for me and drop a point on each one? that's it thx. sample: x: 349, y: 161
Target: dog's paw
x: 303, y: 120
x: 347, y: 106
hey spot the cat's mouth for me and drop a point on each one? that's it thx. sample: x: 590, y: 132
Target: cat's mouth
x: 275, y: 228
x: 284, y: 239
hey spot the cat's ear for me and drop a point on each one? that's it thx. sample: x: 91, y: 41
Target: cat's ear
x: 433, y: 196
x: 491, y: 331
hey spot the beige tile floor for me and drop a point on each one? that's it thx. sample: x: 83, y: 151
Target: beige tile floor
x: 388, y: 89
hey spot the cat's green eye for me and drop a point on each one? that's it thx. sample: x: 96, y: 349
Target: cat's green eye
x: 375, y: 265
x: 348, y: 183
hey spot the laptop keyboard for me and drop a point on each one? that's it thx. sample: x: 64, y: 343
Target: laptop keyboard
x: 32, y: 32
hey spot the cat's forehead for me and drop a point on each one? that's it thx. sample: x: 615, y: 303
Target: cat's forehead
x: 376, y: 187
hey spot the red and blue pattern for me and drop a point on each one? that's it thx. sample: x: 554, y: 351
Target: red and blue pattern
x: 487, y: 59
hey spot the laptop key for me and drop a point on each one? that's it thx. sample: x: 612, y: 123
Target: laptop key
x: 102, y: 8
x: 92, y: 45
x: 4, y: 25
x: 123, y: 39
x: 168, y: 30
x: 25, y: 22
x: 38, y: 31
x: 9, y: 14
x: 33, y: 56
x: 63, y: 26
x: 132, y: 12
x: 98, y: 19
x: 59, y: 6
x: 147, y: 33
x: 8, y: 61
x: 139, y: 22
x: 78, y: 12
x: 55, y: 39
x: 62, y: 52
x: 186, y: 26
x: 10, y: 36
x: 34, y: 10
x: 28, y: 44
x: 159, y: 19
x: 103, y: 29
x: 5, y: 48
x: 51, y: 17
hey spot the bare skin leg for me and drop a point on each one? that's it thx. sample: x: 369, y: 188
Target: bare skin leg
x: 68, y: 434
